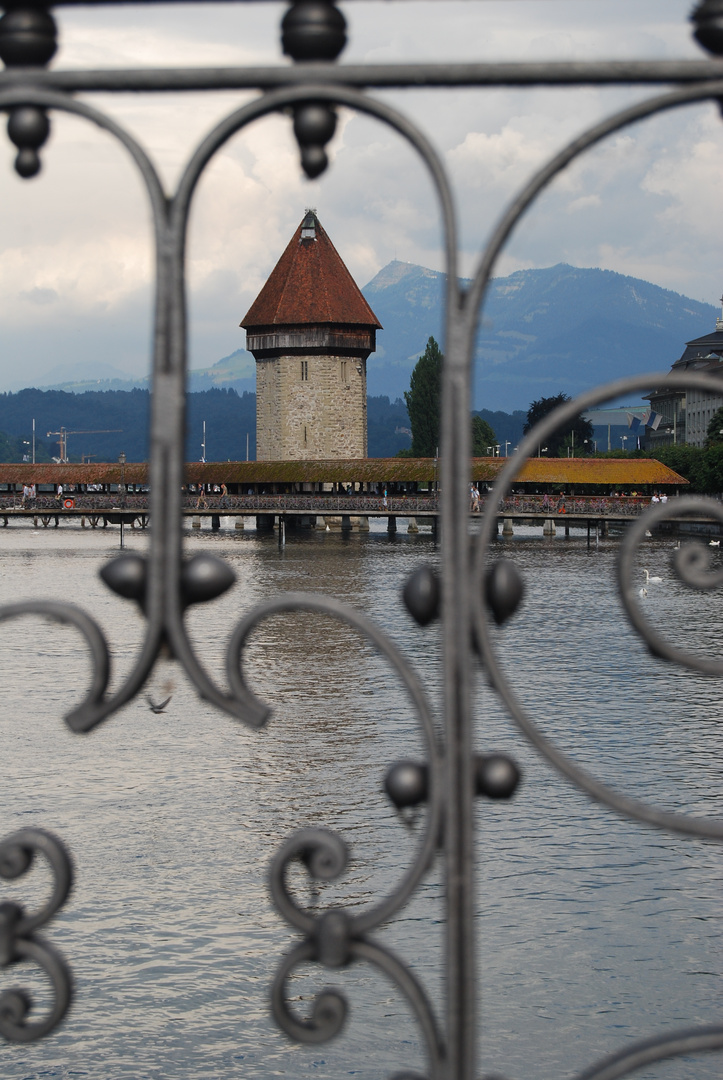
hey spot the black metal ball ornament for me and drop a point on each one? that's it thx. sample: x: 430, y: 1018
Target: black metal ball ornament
x: 28, y: 129
x: 496, y: 775
x: 708, y: 20
x: 421, y: 595
x: 313, y: 30
x: 504, y: 590
x: 406, y: 783
x: 314, y: 126
x: 28, y: 37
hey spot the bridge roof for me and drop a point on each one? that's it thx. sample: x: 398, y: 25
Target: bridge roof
x: 310, y: 285
x: 607, y: 472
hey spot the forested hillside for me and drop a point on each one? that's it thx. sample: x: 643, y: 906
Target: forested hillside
x: 91, y: 420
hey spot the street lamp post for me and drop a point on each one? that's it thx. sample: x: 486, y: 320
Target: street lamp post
x: 623, y: 440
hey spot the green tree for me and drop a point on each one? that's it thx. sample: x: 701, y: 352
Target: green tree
x: 423, y: 400
x: 483, y: 437
x: 714, y: 434
x: 574, y: 434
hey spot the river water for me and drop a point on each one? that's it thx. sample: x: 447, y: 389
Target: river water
x: 592, y: 931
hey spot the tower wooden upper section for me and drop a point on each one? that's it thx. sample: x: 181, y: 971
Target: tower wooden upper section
x: 310, y: 330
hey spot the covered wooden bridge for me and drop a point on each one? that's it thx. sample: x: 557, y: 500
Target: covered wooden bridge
x: 339, y: 493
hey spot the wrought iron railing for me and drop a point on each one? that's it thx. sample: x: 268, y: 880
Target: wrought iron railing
x: 165, y: 583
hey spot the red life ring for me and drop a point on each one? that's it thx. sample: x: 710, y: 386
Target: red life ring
x: 68, y: 504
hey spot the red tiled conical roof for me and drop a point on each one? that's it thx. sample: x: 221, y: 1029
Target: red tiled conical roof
x: 310, y: 284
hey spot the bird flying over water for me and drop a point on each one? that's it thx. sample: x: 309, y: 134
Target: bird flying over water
x: 161, y: 705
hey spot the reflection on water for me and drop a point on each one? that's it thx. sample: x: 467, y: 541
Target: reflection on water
x: 592, y: 931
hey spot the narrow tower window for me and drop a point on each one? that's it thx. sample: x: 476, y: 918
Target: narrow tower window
x: 304, y: 370
x: 343, y: 371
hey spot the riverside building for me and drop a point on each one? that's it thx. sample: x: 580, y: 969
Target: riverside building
x: 686, y: 413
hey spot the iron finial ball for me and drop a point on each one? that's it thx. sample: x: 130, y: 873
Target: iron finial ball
x: 708, y: 20
x: 28, y: 37
x: 421, y: 595
x: 28, y: 128
x: 504, y: 590
x: 496, y: 776
x: 313, y: 30
x: 314, y: 125
x: 406, y: 783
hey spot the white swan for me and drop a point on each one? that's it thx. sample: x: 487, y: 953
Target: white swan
x: 643, y: 591
x: 714, y: 543
x: 652, y: 580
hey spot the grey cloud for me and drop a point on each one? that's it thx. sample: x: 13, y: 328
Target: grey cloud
x: 38, y: 296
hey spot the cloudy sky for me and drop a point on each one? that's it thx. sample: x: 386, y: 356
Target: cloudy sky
x: 75, y: 270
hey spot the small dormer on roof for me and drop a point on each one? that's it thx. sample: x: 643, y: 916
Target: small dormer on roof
x: 308, y: 226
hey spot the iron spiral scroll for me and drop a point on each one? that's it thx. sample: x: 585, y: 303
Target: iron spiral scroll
x: 165, y: 584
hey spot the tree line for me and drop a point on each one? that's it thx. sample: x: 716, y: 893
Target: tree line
x: 423, y: 400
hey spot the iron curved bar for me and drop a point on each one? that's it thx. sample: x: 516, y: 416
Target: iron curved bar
x: 70, y: 615
x: 94, y: 710
x: 330, y: 1008
x: 327, y: 605
x: 17, y: 853
x: 661, y: 103
x: 659, y: 1048
x: 265, y: 105
x: 274, y: 101
x: 16, y: 1004
x: 632, y: 808
x: 692, y: 565
x: 412, y: 990
x: 325, y: 855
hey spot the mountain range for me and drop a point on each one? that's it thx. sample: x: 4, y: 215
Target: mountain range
x: 561, y: 328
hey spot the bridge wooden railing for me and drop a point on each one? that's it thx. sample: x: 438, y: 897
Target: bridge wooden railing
x: 518, y: 505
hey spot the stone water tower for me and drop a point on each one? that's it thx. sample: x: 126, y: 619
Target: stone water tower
x: 310, y: 331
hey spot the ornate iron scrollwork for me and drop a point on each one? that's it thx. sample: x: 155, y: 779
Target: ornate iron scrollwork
x: 470, y: 589
x: 19, y: 942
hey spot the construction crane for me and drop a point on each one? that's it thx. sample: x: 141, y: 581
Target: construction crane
x: 63, y: 439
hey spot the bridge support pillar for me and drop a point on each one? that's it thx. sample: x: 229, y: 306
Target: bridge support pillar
x: 603, y: 528
x: 412, y: 527
x: 507, y: 529
x: 364, y: 523
x: 239, y: 523
x: 35, y: 523
x: 320, y: 522
x: 196, y: 523
x: 391, y: 525
x: 264, y: 522
x: 83, y: 523
x: 215, y: 522
x: 548, y: 529
x: 346, y: 522
x: 435, y: 527
x: 567, y: 529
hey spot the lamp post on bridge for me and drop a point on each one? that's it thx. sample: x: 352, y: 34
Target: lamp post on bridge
x: 122, y: 491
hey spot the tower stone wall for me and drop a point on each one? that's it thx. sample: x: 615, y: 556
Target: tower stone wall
x: 311, y: 406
